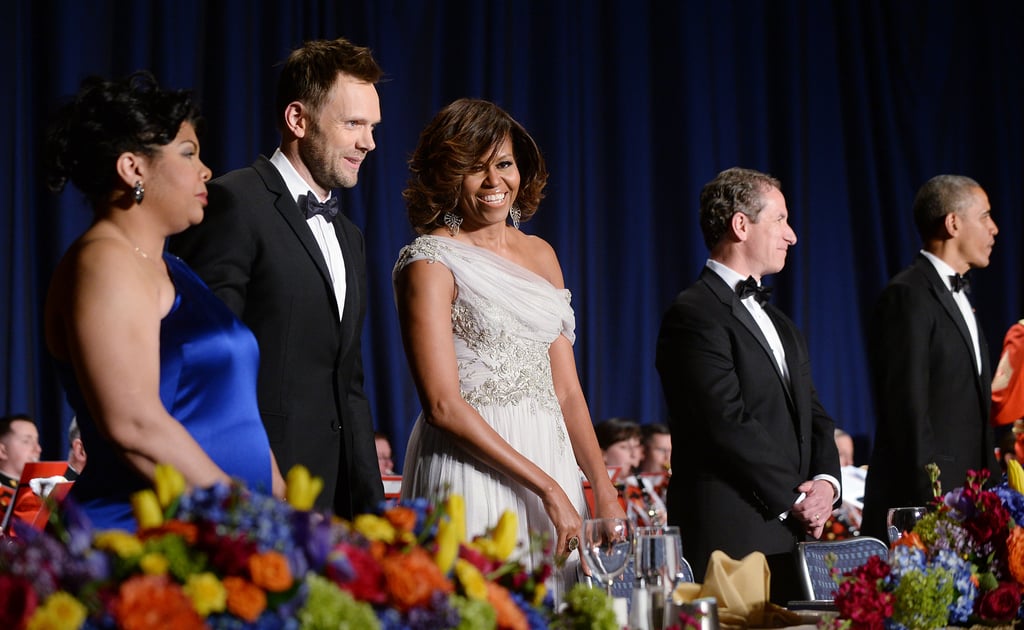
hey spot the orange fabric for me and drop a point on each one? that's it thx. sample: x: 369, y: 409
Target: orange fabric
x: 1008, y: 384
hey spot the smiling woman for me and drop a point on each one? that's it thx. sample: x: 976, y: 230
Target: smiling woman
x: 488, y: 335
x: 156, y: 368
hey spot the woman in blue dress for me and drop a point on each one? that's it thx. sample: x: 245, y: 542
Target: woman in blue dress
x: 156, y: 368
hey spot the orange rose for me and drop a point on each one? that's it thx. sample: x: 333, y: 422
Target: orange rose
x: 509, y: 615
x: 153, y: 601
x: 245, y: 600
x: 270, y: 571
x: 401, y: 518
x: 1015, y: 545
x: 412, y: 578
x: 911, y: 539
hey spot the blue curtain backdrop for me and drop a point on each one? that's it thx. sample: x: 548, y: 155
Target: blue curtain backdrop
x: 852, y: 104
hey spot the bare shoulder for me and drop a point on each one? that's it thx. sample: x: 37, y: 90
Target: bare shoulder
x: 542, y: 259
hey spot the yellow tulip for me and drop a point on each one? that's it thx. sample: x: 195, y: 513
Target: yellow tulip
x: 303, y: 488
x: 505, y: 534
x: 456, y: 509
x: 147, y: 509
x: 374, y: 528
x: 447, y: 545
x: 207, y: 593
x: 473, y: 582
x: 122, y: 543
x: 169, y: 484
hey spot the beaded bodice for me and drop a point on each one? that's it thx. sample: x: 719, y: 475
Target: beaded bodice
x: 504, y: 319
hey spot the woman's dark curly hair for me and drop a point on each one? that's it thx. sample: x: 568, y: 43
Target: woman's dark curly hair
x: 106, y: 119
x: 461, y: 136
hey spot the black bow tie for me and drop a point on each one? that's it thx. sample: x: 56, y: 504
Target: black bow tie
x: 960, y: 283
x: 312, y: 207
x: 748, y: 287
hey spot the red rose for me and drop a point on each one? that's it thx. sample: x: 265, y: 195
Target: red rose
x: 1001, y: 603
x: 18, y: 601
x: 367, y: 582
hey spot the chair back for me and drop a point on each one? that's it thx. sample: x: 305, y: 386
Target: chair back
x: 816, y: 559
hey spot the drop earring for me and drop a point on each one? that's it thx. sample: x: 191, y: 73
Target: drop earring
x: 138, y: 191
x: 452, y: 221
x: 515, y: 215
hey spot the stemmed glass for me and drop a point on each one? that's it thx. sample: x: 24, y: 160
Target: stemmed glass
x: 606, y: 547
x: 901, y: 520
x: 657, y: 558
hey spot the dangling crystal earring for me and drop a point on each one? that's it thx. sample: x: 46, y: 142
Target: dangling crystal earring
x: 452, y: 221
x: 515, y: 214
x: 139, y: 191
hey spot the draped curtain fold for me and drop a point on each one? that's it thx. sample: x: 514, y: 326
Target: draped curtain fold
x: 635, y: 106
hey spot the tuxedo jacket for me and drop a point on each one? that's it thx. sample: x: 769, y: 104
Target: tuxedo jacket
x: 256, y: 252
x: 742, y: 438
x: 931, y: 403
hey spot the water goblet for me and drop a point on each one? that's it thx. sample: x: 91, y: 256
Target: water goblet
x: 606, y: 548
x: 901, y: 520
x: 656, y: 560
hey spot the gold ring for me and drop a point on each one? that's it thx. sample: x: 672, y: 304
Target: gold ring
x: 573, y: 543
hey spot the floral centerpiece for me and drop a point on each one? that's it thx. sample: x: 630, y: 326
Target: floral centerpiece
x: 227, y: 557
x: 962, y: 564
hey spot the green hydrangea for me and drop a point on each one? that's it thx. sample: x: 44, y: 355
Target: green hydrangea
x: 329, y: 607
x: 922, y: 599
x: 474, y: 614
x: 586, y: 609
x: 181, y: 563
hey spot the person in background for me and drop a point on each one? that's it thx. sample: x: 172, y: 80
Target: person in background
x: 930, y: 368
x: 155, y: 367
x: 754, y: 459
x: 656, y: 439
x: 488, y: 331
x: 1008, y: 382
x: 383, y: 445
x: 619, y: 439
x: 276, y: 249
x: 76, y: 451
x: 19, y: 445
x: 844, y: 444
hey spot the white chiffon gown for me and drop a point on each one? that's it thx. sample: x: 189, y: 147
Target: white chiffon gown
x: 504, y: 319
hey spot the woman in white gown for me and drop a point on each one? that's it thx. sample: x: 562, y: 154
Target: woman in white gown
x: 488, y: 332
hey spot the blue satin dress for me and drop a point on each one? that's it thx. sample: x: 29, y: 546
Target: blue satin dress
x: 208, y: 367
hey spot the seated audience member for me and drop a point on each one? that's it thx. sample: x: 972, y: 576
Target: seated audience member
x: 844, y: 444
x: 384, y: 461
x: 846, y: 519
x: 619, y: 439
x: 19, y: 444
x: 76, y: 451
x: 657, y: 445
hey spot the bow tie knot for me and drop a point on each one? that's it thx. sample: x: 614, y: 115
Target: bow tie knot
x: 749, y: 287
x: 959, y: 283
x: 311, y: 207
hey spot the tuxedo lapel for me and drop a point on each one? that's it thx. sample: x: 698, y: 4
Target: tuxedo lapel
x: 728, y: 296
x: 289, y: 211
x: 949, y: 305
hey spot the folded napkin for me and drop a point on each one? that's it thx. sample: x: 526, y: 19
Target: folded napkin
x: 741, y: 589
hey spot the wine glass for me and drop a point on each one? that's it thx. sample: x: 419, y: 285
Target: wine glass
x: 656, y: 559
x: 606, y: 548
x: 901, y: 520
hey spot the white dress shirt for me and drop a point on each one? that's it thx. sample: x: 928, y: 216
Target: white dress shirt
x: 960, y: 297
x: 322, y: 229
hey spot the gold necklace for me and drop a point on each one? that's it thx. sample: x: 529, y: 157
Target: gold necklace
x: 141, y: 253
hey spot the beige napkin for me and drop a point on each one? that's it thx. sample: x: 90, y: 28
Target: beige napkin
x: 741, y: 589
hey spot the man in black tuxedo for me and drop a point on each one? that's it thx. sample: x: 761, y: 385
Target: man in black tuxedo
x: 274, y: 247
x: 754, y: 461
x: 930, y: 365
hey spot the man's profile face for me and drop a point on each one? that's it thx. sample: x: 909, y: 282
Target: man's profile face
x: 19, y: 447
x: 977, y: 234
x: 770, y: 237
